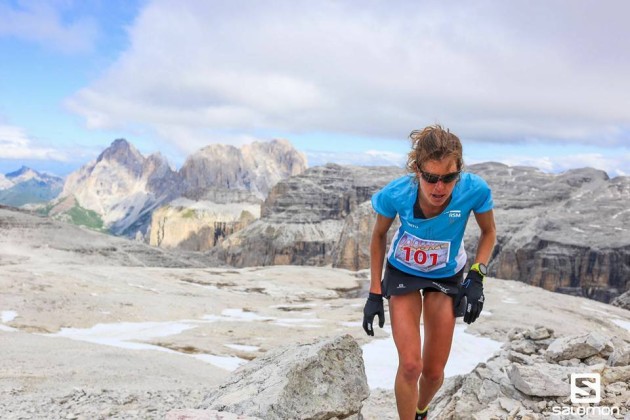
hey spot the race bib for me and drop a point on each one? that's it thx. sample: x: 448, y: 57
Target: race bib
x: 421, y: 254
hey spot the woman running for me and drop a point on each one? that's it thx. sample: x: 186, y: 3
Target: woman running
x: 424, y: 268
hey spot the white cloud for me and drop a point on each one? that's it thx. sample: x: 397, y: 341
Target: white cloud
x: 15, y: 144
x: 367, y: 158
x: 490, y: 71
x: 617, y: 165
x: 43, y: 23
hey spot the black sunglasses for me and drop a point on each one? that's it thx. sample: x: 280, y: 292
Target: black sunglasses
x: 434, y: 179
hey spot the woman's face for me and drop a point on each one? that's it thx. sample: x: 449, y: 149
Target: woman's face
x: 437, y: 194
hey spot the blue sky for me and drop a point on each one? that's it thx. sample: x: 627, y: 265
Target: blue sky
x: 538, y: 83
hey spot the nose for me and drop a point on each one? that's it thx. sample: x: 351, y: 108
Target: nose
x: 440, y: 185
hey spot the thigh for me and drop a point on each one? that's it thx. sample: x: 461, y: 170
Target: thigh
x: 439, y: 325
x: 405, y: 311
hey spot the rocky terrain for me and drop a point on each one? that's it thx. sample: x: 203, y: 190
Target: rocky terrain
x: 303, y: 216
x: 199, y: 225
x: 122, y: 189
x: 563, y: 232
x: 255, y: 167
x: 567, y: 232
x: 94, y: 326
x: 530, y: 378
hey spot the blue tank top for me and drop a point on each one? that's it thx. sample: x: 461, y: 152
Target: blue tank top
x: 432, y: 247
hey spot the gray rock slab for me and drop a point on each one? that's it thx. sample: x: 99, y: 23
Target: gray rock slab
x: 320, y: 380
x: 206, y: 415
x: 538, y: 382
x: 578, y: 347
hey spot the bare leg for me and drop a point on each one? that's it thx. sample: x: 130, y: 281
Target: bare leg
x: 405, y: 311
x: 439, y: 325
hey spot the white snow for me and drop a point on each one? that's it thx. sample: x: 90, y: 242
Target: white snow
x: 8, y: 316
x: 124, y: 334
x: 242, y: 347
x: 381, y: 357
x: 229, y: 363
x: 622, y: 323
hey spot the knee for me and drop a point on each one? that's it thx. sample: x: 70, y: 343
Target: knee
x: 411, y: 369
x: 433, y: 374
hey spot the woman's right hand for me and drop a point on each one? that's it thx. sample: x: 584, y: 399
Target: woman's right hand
x: 373, y: 307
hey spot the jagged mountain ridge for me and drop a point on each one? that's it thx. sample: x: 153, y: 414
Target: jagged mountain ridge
x: 26, y: 186
x: 124, y: 188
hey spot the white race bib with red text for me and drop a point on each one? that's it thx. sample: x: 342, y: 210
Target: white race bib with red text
x: 421, y: 254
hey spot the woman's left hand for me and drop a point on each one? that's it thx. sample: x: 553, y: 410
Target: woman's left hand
x: 472, y: 290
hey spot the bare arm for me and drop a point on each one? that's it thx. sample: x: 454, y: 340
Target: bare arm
x: 487, y: 238
x: 377, y: 251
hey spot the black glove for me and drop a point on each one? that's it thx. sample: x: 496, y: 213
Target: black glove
x: 373, y: 306
x: 472, y: 290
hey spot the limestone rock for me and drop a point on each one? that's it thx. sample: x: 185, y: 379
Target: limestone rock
x: 578, y: 347
x: 321, y: 380
x: 352, y: 250
x: 191, y: 414
x: 539, y: 381
x: 620, y: 355
x: 303, y: 217
x: 551, y: 231
x: 623, y: 300
x: 539, y: 333
x: 201, y: 225
x: 503, y: 389
x: 255, y: 167
x: 616, y: 374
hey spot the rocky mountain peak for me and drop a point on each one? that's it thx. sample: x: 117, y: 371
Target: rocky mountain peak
x: 124, y: 153
x: 25, y: 173
x: 254, y: 167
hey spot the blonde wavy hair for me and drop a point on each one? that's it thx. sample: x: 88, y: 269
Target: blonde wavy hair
x: 433, y: 143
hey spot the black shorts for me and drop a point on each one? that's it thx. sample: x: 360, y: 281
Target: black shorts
x: 396, y: 282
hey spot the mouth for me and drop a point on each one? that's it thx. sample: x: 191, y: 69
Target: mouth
x: 438, y: 197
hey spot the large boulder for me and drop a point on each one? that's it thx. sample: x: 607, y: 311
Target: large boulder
x: 578, y: 347
x: 517, y: 384
x: 321, y: 380
x: 623, y: 301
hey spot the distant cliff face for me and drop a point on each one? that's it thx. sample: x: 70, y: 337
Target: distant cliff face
x: 566, y: 232
x: 254, y: 167
x: 202, y: 224
x: 303, y: 216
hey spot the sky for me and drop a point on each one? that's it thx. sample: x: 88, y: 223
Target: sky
x: 536, y: 83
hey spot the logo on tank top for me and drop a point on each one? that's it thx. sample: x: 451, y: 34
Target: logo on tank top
x: 454, y: 216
